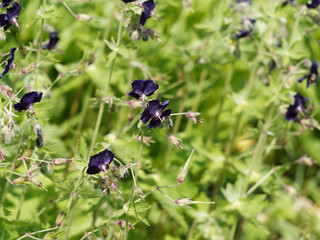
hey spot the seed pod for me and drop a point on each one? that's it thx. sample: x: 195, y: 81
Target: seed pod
x: 19, y: 181
x: 35, y: 181
x: 60, y: 218
x: 182, y: 174
x: 61, y: 161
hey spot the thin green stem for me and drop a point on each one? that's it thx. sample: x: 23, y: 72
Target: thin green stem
x: 39, y: 47
x: 24, y: 189
x: 197, y: 99
x: 221, y: 103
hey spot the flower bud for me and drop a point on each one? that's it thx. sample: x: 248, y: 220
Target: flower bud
x: 183, y: 201
x: 35, y: 181
x: 50, y: 236
x: 192, y: 116
x: 60, y: 218
x: 40, y: 139
x: 19, y: 181
x: 135, y: 35
x: 175, y: 141
x: 84, y: 17
x: 60, y: 161
x: 34, y: 169
x: 9, y: 135
x: 292, y: 192
x: 6, y: 91
x: 154, y: 35
x: 138, y: 191
x: 306, y: 161
x: 182, y: 174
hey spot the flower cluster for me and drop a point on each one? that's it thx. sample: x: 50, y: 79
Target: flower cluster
x: 154, y: 112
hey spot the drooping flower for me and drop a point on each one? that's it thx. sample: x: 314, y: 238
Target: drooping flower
x: 100, y: 161
x: 5, y: 3
x: 248, y: 25
x: 312, y: 77
x: 296, y: 108
x: 154, y: 112
x: 53, y: 39
x: 148, y: 7
x: 9, y: 62
x: 143, y: 88
x: 27, y: 101
x: 313, y: 4
x: 11, y: 17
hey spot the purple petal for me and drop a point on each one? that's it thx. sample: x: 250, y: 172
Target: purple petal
x: 145, y: 116
x: 155, y: 122
x: 166, y: 113
x: 149, y: 87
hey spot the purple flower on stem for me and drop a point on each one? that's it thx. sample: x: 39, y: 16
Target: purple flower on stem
x: 248, y: 24
x: 27, y: 101
x: 9, y: 62
x: 53, y: 39
x: 142, y: 88
x: 5, y: 3
x: 128, y: 1
x: 154, y: 112
x: 100, y: 161
x: 148, y: 7
x: 296, y: 108
x: 313, y: 4
x: 312, y: 77
x: 11, y: 17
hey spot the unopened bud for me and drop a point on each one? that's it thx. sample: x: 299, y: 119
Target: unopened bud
x: 183, y: 201
x: 182, y: 174
x: 60, y: 161
x: 192, y: 116
x: 84, y: 17
x: 60, y: 218
x: 40, y: 139
x: 34, y: 169
x: 35, y: 181
x: 175, y: 141
x: 306, y: 161
x: 135, y: 35
x: 6, y: 91
x: 50, y: 236
x: 138, y: 191
x: 91, y: 58
x: 9, y: 135
x: 19, y: 181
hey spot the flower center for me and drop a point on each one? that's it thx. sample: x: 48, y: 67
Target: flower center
x: 158, y: 114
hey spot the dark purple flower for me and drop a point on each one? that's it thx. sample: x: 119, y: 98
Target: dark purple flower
x: 27, y: 101
x: 272, y: 65
x: 312, y: 77
x: 11, y: 17
x: 100, y: 161
x: 5, y: 3
x: 142, y: 88
x: 248, y: 24
x: 154, y: 112
x: 53, y: 39
x: 148, y: 7
x: 313, y: 4
x: 296, y: 108
x: 9, y: 62
x: 128, y: 1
